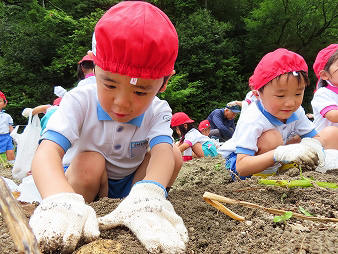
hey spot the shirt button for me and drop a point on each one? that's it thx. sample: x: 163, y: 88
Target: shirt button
x: 117, y: 147
x: 119, y: 129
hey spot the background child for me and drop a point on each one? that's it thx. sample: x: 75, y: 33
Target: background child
x: 204, y: 127
x: 258, y: 144
x: 85, y: 71
x: 325, y: 99
x: 200, y: 144
x: 114, y: 139
x: 6, y: 127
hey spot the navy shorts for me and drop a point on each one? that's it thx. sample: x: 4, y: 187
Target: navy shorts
x: 6, y: 143
x: 230, y: 164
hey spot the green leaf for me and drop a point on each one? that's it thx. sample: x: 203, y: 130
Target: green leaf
x: 304, y: 211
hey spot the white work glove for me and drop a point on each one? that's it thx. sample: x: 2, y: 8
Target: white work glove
x: 26, y: 112
x: 61, y: 220
x: 59, y: 91
x: 147, y: 213
x: 232, y: 103
x: 317, y: 146
x: 303, y: 155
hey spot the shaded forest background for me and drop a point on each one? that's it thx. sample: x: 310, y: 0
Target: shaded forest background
x: 221, y: 42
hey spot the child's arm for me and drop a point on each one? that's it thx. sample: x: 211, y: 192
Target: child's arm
x: 247, y: 165
x: 184, y: 146
x: 11, y: 128
x: 332, y: 116
x: 48, y: 171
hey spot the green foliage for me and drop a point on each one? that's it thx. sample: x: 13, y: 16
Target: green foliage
x: 304, y: 211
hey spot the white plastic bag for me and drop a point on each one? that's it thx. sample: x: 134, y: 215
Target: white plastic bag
x: 27, y: 143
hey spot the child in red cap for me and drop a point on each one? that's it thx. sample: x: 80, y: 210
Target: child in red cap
x: 204, y: 127
x: 325, y: 99
x: 259, y: 143
x: 192, y: 143
x: 113, y: 138
x: 85, y: 71
x: 6, y: 127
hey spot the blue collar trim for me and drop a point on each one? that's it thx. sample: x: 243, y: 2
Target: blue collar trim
x: 102, y: 115
x: 272, y: 119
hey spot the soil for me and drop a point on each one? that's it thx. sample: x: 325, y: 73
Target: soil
x: 212, y: 231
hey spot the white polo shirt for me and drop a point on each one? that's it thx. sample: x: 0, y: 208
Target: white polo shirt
x: 193, y: 136
x: 256, y: 120
x: 80, y: 124
x: 324, y: 100
x: 5, y: 121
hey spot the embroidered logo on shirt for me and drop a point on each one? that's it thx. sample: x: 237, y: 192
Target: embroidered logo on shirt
x: 167, y: 118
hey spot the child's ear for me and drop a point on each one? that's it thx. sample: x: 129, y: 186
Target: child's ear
x: 324, y: 75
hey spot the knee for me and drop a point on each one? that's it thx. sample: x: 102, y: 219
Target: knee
x: 329, y: 135
x: 269, y: 140
x: 178, y: 158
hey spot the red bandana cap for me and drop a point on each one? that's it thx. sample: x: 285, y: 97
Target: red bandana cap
x: 3, y: 96
x: 322, y: 58
x: 276, y: 63
x: 86, y: 58
x: 180, y: 118
x: 135, y: 39
x: 204, y: 125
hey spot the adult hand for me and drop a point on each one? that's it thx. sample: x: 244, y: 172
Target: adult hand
x: 301, y: 154
x: 61, y: 220
x: 151, y: 217
x: 26, y: 112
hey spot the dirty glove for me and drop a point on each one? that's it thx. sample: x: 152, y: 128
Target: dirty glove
x: 61, y: 220
x: 232, y: 103
x: 147, y: 213
x: 26, y: 112
x: 59, y: 91
x: 301, y: 154
x: 317, y: 146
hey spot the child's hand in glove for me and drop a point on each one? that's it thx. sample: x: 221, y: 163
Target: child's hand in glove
x: 151, y: 217
x: 301, y: 154
x: 317, y: 146
x: 61, y: 220
x: 26, y: 112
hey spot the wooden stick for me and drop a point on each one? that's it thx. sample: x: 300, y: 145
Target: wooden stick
x: 16, y: 222
x: 215, y: 197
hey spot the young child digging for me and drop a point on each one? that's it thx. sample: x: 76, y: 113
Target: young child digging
x: 6, y: 127
x: 192, y: 141
x: 115, y: 140
x: 276, y: 119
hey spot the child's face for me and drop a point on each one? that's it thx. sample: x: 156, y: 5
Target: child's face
x: 283, y: 96
x: 121, y: 100
x: 2, y: 103
x: 332, y: 76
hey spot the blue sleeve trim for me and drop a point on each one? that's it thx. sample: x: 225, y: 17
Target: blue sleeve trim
x: 160, y: 139
x: 156, y: 183
x: 57, y: 138
x: 242, y: 150
x: 311, y: 134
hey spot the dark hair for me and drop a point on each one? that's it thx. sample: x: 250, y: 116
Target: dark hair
x: 184, y: 130
x: 332, y: 59
x: 301, y: 76
x: 86, y: 65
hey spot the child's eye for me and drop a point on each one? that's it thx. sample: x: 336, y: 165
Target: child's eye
x: 280, y: 96
x: 110, y: 86
x: 140, y: 93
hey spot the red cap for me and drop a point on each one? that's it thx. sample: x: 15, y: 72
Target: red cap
x: 86, y: 58
x: 276, y: 63
x: 180, y: 118
x: 251, y: 82
x: 204, y: 125
x: 57, y: 101
x: 3, y: 96
x: 322, y: 58
x: 135, y: 39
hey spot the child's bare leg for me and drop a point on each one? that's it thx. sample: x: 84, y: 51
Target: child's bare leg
x: 10, y: 155
x: 329, y: 136
x: 142, y: 169
x: 87, y: 175
x: 295, y: 140
x: 198, y: 150
x: 268, y: 141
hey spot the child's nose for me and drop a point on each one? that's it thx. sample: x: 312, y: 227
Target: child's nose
x: 122, y: 100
